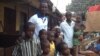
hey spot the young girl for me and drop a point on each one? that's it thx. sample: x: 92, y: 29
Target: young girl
x: 63, y: 49
x: 42, y: 34
x: 52, y: 44
x: 45, y: 46
x: 27, y: 45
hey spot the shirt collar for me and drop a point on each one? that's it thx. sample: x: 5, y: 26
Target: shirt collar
x: 40, y: 15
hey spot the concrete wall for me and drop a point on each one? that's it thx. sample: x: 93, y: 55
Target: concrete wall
x: 19, y: 9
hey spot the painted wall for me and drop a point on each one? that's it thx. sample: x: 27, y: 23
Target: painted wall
x: 19, y: 8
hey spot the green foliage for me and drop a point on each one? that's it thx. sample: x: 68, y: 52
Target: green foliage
x: 81, y: 5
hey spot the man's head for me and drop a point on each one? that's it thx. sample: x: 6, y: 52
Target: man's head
x: 68, y: 15
x: 44, y: 7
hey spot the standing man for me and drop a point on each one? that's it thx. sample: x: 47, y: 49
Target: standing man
x: 67, y: 27
x: 40, y: 19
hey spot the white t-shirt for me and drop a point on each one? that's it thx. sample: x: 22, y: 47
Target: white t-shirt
x: 68, y: 31
x: 40, y: 23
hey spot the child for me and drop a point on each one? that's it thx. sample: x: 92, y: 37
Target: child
x: 58, y: 36
x: 27, y: 46
x: 52, y: 44
x: 45, y: 46
x: 42, y: 34
x: 63, y: 49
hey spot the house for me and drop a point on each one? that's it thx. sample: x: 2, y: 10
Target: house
x: 13, y: 15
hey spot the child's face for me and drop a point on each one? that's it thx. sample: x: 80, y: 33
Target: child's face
x: 57, y: 32
x: 65, y: 50
x: 51, y: 36
x: 30, y: 31
x: 44, y: 35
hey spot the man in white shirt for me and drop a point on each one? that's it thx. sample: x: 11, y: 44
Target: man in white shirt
x: 67, y: 27
x: 40, y: 19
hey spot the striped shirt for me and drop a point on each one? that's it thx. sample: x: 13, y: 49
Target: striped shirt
x: 27, y: 48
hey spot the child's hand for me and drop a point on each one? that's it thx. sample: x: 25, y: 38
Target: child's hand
x: 80, y: 37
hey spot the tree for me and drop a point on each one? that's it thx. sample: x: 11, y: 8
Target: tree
x: 81, y: 5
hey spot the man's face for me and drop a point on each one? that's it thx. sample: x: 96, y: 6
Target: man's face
x: 68, y: 17
x: 44, y: 7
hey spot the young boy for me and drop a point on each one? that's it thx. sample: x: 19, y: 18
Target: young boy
x: 27, y: 46
x: 52, y: 44
x: 58, y: 37
x: 63, y: 49
x: 45, y: 46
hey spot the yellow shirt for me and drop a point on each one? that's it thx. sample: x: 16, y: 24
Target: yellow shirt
x: 52, y: 48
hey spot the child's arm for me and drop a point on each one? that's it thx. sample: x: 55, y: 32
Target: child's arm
x: 17, y: 51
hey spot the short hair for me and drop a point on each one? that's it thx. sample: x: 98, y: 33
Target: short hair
x: 26, y: 26
x: 41, y: 31
x: 60, y: 46
x: 42, y: 2
x: 51, y: 33
x: 68, y: 14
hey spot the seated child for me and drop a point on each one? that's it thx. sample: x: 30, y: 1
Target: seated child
x: 45, y: 46
x: 63, y: 49
x: 26, y: 46
x: 52, y: 44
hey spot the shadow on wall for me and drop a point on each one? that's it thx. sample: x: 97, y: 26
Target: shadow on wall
x: 1, y: 26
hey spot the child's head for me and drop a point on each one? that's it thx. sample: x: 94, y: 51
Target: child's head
x: 45, y: 46
x: 77, y: 27
x: 43, y: 34
x: 82, y: 26
x: 57, y: 33
x: 29, y: 29
x: 51, y: 36
x: 63, y: 49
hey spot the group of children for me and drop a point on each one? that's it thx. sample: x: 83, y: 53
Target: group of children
x: 52, y: 44
x: 78, y: 42
x: 49, y: 43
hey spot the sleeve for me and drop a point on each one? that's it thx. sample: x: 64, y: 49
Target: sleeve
x: 17, y: 51
x: 74, y: 24
x: 32, y: 19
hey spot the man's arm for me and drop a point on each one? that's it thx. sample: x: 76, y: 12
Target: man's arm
x: 33, y: 19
